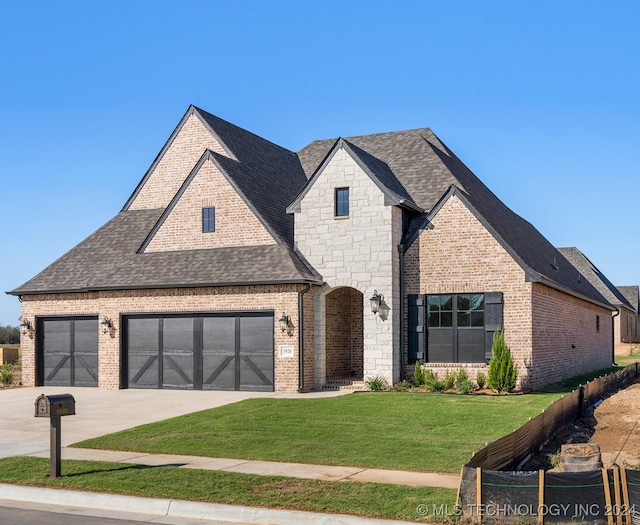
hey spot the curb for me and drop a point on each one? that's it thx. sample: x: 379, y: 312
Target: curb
x: 180, y: 509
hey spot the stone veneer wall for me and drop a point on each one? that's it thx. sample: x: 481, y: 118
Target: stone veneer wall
x: 279, y: 298
x: 175, y: 164
x: 235, y: 223
x: 358, y: 251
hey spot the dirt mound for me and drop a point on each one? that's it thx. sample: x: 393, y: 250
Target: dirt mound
x: 614, y: 425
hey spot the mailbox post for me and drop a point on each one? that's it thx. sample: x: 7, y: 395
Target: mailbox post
x: 54, y: 407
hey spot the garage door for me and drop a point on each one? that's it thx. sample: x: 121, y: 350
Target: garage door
x: 201, y: 352
x: 68, y: 351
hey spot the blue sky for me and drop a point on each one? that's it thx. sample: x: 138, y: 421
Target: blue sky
x: 540, y: 99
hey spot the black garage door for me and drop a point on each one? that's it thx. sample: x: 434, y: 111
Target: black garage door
x: 67, y: 351
x: 201, y: 352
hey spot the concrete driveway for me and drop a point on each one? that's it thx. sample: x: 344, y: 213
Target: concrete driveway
x: 98, y: 412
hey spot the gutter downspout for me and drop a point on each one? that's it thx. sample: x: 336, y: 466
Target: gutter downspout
x: 301, y: 337
x: 401, y: 357
x: 613, y: 336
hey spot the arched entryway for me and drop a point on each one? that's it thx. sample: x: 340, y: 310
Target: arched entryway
x: 344, y: 334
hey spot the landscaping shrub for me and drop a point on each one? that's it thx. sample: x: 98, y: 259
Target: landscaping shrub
x: 503, y: 373
x: 437, y: 385
x: 428, y: 376
x: 431, y: 382
x: 481, y: 379
x: 403, y: 386
x: 464, y: 385
x: 418, y: 375
x: 6, y: 375
x: 449, y: 380
x: 377, y: 384
x: 461, y: 376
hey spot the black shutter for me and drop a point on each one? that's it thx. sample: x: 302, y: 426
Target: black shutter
x: 415, y: 316
x: 492, y: 320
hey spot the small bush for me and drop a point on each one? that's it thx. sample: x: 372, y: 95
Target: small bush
x: 437, y: 385
x: 465, y: 387
x: 377, y: 384
x: 429, y: 379
x: 461, y: 377
x: 449, y: 380
x: 503, y: 373
x: 418, y: 375
x: 7, y: 375
x: 402, y: 386
x: 428, y: 376
x: 481, y: 379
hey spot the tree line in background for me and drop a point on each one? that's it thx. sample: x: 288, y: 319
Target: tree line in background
x: 9, y: 335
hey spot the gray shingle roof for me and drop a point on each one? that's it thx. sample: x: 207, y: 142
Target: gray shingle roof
x: 107, y: 259
x: 406, y: 153
x: 631, y: 294
x: 595, y: 277
x: 427, y: 169
x: 414, y: 167
x: 268, y: 175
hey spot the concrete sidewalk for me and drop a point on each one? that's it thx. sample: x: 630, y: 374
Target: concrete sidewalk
x: 265, y: 468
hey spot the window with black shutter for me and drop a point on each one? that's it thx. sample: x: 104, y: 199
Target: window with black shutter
x: 453, y: 328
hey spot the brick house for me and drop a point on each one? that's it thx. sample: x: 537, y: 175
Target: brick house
x: 629, y: 328
x: 237, y: 264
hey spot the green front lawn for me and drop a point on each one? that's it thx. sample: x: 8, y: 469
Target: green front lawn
x: 392, y: 430
x: 402, y: 431
x: 362, y: 499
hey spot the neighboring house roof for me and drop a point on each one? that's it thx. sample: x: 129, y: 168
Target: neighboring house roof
x: 108, y: 259
x: 590, y: 272
x: 631, y: 294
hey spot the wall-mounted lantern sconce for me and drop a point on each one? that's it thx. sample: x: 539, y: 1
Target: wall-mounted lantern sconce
x: 106, y: 324
x: 25, y: 326
x: 376, y: 301
x: 284, y: 322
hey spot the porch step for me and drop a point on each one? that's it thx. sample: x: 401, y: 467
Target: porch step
x: 343, y: 384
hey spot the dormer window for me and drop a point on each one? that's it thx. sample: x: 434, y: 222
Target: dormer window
x: 208, y: 219
x: 342, y: 202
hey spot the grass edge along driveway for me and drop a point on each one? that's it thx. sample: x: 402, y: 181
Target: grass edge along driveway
x: 393, y: 430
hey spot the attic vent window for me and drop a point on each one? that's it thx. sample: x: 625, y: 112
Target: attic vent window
x: 342, y: 202
x: 208, y: 219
